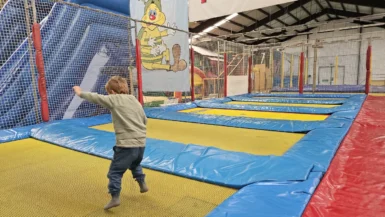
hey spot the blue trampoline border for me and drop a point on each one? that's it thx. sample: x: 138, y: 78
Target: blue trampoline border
x: 315, y: 151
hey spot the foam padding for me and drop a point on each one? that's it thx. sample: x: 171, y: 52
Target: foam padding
x: 301, y: 110
x: 258, y: 142
x: 281, y: 104
x: 296, y: 95
x: 40, y: 179
x: 15, y: 134
x: 241, y: 122
x: 192, y: 161
x: 25, y: 132
x: 269, y: 199
x: 288, y: 100
x: 258, y: 114
x: 354, y: 184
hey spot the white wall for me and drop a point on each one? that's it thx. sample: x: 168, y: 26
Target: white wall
x: 351, y: 54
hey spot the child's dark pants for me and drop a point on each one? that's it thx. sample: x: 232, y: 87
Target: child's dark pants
x: 124, y: 159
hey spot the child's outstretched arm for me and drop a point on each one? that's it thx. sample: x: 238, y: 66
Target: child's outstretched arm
x: 102, y: 100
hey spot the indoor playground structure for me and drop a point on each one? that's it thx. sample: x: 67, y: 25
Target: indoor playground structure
x: 276, y: 120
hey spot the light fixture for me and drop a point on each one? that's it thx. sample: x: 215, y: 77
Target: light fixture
x: 220, y: 23
x: 231, y: 16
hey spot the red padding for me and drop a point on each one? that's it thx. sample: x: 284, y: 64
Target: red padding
x: 36, y: 36
x: 139, y: 72
x: 225, y: 74
x: 250, y: 84
x: 354, y: 185
x: 192, y: 74
x: 368, y: 69
x: 302, y: 62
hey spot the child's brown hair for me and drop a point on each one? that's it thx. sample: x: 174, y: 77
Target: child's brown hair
x: 117, y: 85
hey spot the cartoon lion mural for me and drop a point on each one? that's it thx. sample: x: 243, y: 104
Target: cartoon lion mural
x: 155, y: 54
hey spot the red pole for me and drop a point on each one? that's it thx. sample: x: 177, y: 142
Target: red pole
x: 139, y: 71
x: 225, y: 74
x: 36, y: 35
x: 249, y: 74
x: 302, y: 60
x: 368, y: 69
x: 192, y: 75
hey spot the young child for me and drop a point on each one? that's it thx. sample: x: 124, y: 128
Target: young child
x: 129, y: 122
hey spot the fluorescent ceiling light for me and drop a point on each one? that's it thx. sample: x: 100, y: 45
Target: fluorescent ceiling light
x: 220, y: 23
x: 231, y: 16
x: 209, y: 29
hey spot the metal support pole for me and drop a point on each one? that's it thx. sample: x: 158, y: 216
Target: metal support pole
x: 31, y: 59
x: 336, y: 71
x: 139, y: 66
x: 249, y: 76
x: 306, y: 71
x: 282, y: 70
x: 359, y: 58
x: 192, y: 74
x: 291, y: 70
x: 315, y: 69
x: 368, y: 67
x: 272, y: 67
x: 225, y: 74
x: 301, y: 67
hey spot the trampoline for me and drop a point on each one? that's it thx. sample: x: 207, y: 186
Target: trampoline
x: 60, y: 182
x: 257, y: 142
x: 282, y: 104
x: 257, y: 114
x: 210, y: 158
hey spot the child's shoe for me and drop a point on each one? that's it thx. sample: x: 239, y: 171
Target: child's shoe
x: 115, y: 201
x: 143, y: 186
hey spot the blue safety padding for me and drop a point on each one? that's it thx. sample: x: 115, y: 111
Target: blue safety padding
x: 192, y: 161
x: 286, y: 109
x: 15, y: 134
x: 352, y: 103
x: 288, y: 100
x: 337, y: 96
x: 335, y: 88
x: 242, y: 122
x: 325, y: 88
x: 269, y: 199
x: 318, y: 147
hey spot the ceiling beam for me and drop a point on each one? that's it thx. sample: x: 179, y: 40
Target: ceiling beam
x: 236, y: 24
x: 206, y: 24
x: 345, y: 13
x: 274, y: 16
x: 343, y: 6
x: 322, y: 7
x: 367, y: 3
x: 289, y: 13
x: 303, y: 21
x: 331, y: 7
x: 308, y: 13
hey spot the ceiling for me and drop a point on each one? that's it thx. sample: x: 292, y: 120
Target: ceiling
x: 289, y: 14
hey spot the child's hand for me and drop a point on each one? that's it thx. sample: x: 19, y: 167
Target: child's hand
x: 77, y: 90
